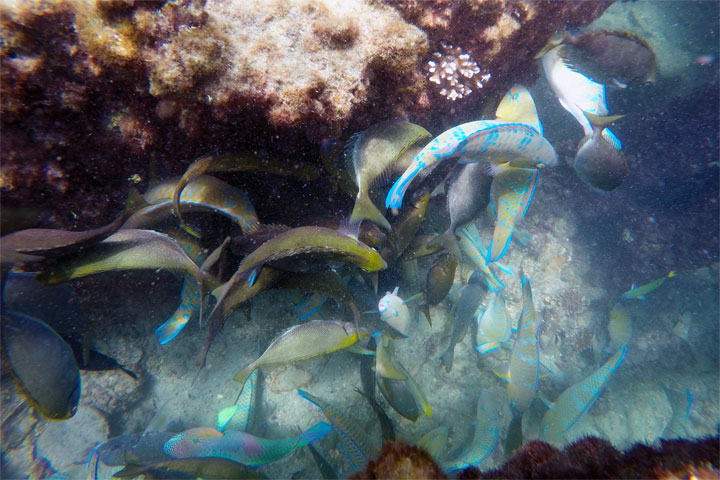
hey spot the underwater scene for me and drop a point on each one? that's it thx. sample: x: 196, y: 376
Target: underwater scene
x: 360, y: 238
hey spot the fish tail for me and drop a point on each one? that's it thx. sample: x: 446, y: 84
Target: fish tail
x: 599, y: 122
x: 448, y: 357
x: 499, y: 244
x: 365, y: 210
x: 314, y: 433
x: 493, y: 283
x: 169, y: 330
x: 242, y: 376
x: 447, y: 241
x: 426, y: 310
x: 488, y: 347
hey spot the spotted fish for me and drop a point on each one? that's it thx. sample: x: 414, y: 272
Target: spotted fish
x: 574, y: 402
x: 485, y: 438
x: 493, y: 141
x: 352, y: 438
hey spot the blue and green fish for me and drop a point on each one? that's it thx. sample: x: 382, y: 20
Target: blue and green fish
x: 638, y: 293
x: 485, y: 438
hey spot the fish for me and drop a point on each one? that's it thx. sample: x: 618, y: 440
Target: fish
x: 300, y: 342
x: 577, y: 400
x: 612, y: 57
x: 384, y: 365
x: 399, y: 397
x: 202, y: 467
x: 367, y: 375
x: 440, y: 278
x: 510, y: 196
x: 681, y: 404
x: 485, y: 437
x: 42, y: 365
x: 638, y: 293
x: 419, y: 247
x: 406, y: 226
x: 490, y: 141
x: 394, y: 312
x: 240, y: 447
x: 370, y: 156
x: 494, y: 326
x: 386, y: 424
x: 468, y: 194
x: 472, y: 246
x: 599, y: 161
x: 239, y: 416
x: 352, y: 438
x: 517, y: 105
x: 470, y: 299
x: 123, y: 250
x: 435, y: 441
x: 523, y: 373
x: 619, y: 325
x: 299, y: 249
x: 190, y: 302
x: 92, y: 360
x: 327, y: 471
x: 240, y: 162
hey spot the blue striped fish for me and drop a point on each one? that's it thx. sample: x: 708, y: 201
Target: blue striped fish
x: 494, y: 326
x: 574, y: 402
x: 493, y: 141
x: 510, y: 196
x: 471, y: 245
x: 523, y: 374
x: 485, y: 439
x: 352, y: 438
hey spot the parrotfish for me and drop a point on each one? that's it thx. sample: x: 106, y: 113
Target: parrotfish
x: 494, y: 326
x: 485, y: 439
x: 352, y: 438
x: 200, y: 467
x: 599, y: 161
x: 203, y: 192
x: 472, y: 246
x: 240, y: 447
x: 386, y: 425
x: 238, y: 417
x: 619, y: 325
x: 638, y: 293
x: 518, y: 106
x: 190, y: 302
x: 302, y: 342
x: 574, y: 402
x: 384, y: 365
x: 435, y: 441
x: 523, y: 374
x: 42, y: 365
x: 406, y: 226
x: 470, y: 297
x: 510, y: 197
x: 300, y: 249
x: 439, y: 280
x: 370, y: 157
x: 493, y: 141
x: 394, y: 312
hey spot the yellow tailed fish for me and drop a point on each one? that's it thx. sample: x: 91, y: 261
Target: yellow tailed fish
x: 232, y: 163
x: 485, y: 438
x: 370, y: 157
x: 494, y: 326
x: 523, y: 374
x: 410, y: 384
x: 638, y: 293
x: 203, y: 192
x: 619, y: 325
x: 574, y: 402
x: 304, y: 341
x: 472, y: 246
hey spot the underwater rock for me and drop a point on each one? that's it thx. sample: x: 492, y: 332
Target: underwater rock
x: 400, y: 460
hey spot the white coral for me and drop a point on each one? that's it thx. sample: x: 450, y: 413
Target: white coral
x: 455, y: 72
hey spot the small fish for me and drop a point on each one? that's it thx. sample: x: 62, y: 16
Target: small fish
x: 352, y: 438
x: 492, y: 141
x: 435, y: 441
x: 599, y: 161
x: 440, y: 278
x: 238, y: 416
x: 494, y: 325
x: 386, y: 425
x: 239, y: 447
x: 207, y: 467
x: 574, y: 402
x: 612, y: 57
x: 619, y: 325
x: 303, y: 248
x: 638, y: 293
x: 470, y: 299
x: 510, y: 196
x: 394, y: 312
x: 485, y: 438
x: 42, y: 365
x: 523, y: 373
x: 304, y: 341
x: 370, y: 157
x: 472, y: 246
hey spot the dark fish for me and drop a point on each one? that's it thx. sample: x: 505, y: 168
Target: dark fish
x: 598, y: 162
x: 514, y: 437
x: 42, y: 364
x: 399, y: 397
x: 406, y: 226
x: 470, y: 298
x: 95, y: 360
x: 326, y: 470
x: 618, y: 58
x: 191, y: 468
x: 367, y: 376
x: 386, y: 425
x: 439, y: 280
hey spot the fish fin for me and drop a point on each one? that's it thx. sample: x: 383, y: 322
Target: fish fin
x: 348, y: 155
x: 365, y: 210
x: 357, y: 349
x: 426, y: 310
x: 242, y: 376
x: 495, y: 169
x: 253, y: 276
x: 642, y: 297
x: 488, y: 347
x: 310, y: 397
x: 611, y: 139
x: 314, y: 433
x: 547, y: 402
x: 671, y: 274
x: 447, y: 241
x: 505, y: 375
x: 522, y: 238
x: 129, y: 373
x: 601, y: 122
x: 169, y: 330
x: 225, y: 416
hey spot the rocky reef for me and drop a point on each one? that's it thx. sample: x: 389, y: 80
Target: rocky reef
x: 94, y: 90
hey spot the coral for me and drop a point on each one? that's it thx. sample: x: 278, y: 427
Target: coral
x: 454, y: 71
x: 400, y: 460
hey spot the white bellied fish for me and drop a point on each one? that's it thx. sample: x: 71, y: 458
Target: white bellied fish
x: 394, y: 312
x: 494, y: 327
